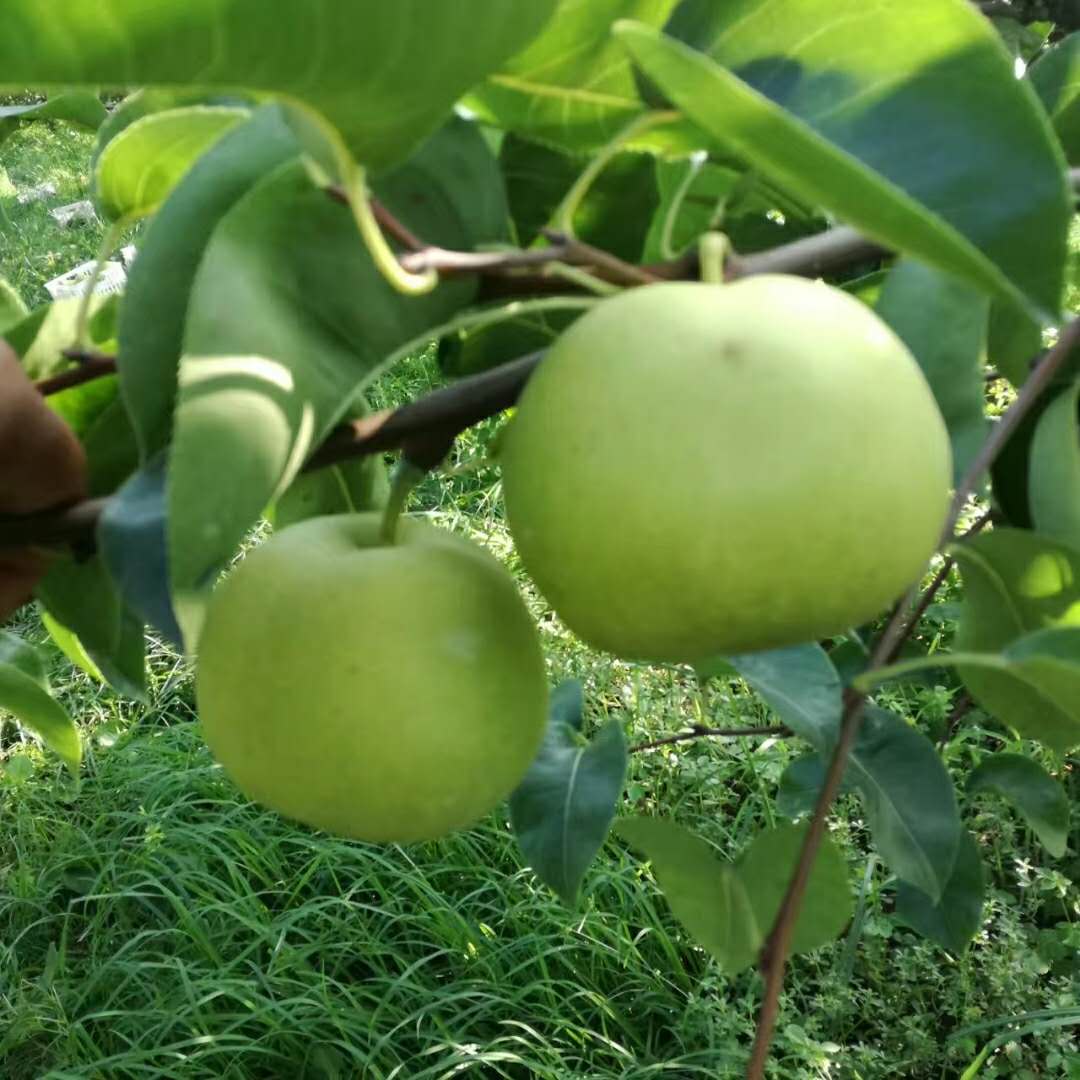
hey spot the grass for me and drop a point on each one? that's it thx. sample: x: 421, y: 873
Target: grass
x: 155, y: 924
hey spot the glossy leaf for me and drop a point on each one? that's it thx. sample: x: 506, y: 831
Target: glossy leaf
x: 765, y: 869
x: 954, y: 919
x: 802, y: 687
x: 562, y: 811
x: 81, y: 596
x: 1017, y: 582
x: 111, y: 451
x: 796, y: 92
x: 572, y: 86
x: 942, y: 320
x: 348, y: 59
x: 131, y: 538
x: 1030, y: 788
x: 1056, y: 78
x: 288, y: 319
x: 170, y: 250
x: 1054, y: 469
x: 705, y: 895
x: 24, y: 693
x: 141, y: 166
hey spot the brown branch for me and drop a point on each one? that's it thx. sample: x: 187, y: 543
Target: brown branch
x: 773, y: 960
x: 697, y: 731
x: 963, y: 705
x: 91, y: 366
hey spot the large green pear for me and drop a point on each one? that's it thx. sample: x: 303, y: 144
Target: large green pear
x: 383, y: 692
x: 703, y: 469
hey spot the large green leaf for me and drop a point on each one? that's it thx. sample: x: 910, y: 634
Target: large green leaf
x: 70, y: 646
x: 562, y: 810
x: 1036, y: 794
x: 1056, y: 78
x: 171, y: 248
x: 24, y: 692
x: 704, y: 894
x: 765, y: 869
x: 288, y: 319
x: 142, y: 164
x: 942, y: 320
x: 730, y: 909
x: 1015, y: 583
x: 1054, y: 469
x: 953, y: 919
x: 573, y: 86
x: 383, y: 73
x: 800, y: 786
x: 809, y: 97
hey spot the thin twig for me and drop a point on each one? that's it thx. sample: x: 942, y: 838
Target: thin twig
x: 773, y: 960
x: 698, y: 731
x: 962, y: 706
x: 451, y: 263
x: 609, y: 266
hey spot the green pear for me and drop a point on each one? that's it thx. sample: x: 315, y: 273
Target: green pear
x: 382, y: 692
x: 697, y: 469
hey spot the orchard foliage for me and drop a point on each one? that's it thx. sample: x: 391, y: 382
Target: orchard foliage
x: 326, y: 188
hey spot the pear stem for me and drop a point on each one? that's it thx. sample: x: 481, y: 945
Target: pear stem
x: 406, y: 477
x: 713, y: 252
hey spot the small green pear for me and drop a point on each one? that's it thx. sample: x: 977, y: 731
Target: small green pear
x: 383, y: 692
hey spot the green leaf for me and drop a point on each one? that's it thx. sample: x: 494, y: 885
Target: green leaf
x: 79, y: 107
x: 954, y: 919
x: 613, y: 216
x: 141, y: 166
x: 18, y: 653
x: 572, y: 86
x: 42, y: 336
x: 802, y: 687
x: 562, y: 811
x: 12, y: 308
x: 795, y: 91
x: 131, y: 536
x: 765, y: 869
x: 486, y: 346
x: 24, y: 693
x: 159, y: 286
x: 730, y: 909
x: 705, y: 895
x: 1013, y: 341
x: 112, y: 453
x: 288, y: 319
x: 1017, y: 582
x: 1054, y: 469
x: 800, y: 785
x: 383, y: 75
x: 80, y: 596
x: 146, y: 102
x: 942, y: 320
x: 1037, y: 795
x: 909, y: 798
x: 70, y: 646
x: 1056, y: 78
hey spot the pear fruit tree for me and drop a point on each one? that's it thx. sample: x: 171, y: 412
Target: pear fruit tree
x: 764, y: 332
